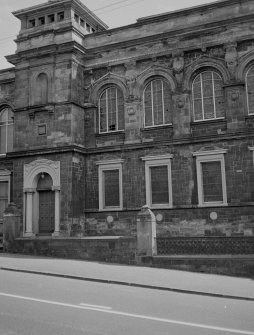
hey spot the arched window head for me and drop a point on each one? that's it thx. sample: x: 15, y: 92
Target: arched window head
x: 41, y: 89
x: 208, y: 96
x: 6, y: 130
x: 250, y: 90
x: 111, y: 110
x: 157, y: 103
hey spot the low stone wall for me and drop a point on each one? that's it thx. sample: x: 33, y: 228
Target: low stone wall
x: 238, y: 266
x: 110, y: 249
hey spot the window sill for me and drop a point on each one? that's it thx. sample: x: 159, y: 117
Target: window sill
x: 113, y: 209
x: 213, y: 204
x: 158, y: 127
x: 161, y: 207
x: 117, y: 132
x: 193, y: 123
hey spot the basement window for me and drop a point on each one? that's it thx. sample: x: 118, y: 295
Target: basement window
x: 41, y: 20
x: 60, y: 16
x: 31, y: 23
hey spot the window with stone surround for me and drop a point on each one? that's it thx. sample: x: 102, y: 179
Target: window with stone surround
x: 211, y: 178
x: 4, y: 192
x: 250, y: 90
x: 111, y: 110
x: 208, y: 96
x: 6, y: 130
x: 158, y: 181
x: 110, y: 185
x: 157, y: 103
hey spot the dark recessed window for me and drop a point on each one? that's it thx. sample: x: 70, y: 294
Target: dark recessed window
x: 31, y: 23
x: 82, y: 23
x: 41, y: 20
x: 76, y: 17
x: 88, y: 27
x: 93, y: 30
x: 51, y: 18
x: 42, y: 129
x: 60, y: 16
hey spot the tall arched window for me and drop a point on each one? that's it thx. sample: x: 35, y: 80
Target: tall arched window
x: 250, y: 89
x: 111, y: 110
x: 6, y: 130
x: 41, y: 89
x: 157, y: 103
x: 208, y: 96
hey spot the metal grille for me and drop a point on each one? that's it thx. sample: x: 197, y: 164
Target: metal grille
x: 205, y: 246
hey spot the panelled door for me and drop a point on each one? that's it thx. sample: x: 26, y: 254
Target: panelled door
x: 46, y: 212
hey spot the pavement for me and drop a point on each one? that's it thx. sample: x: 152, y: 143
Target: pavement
x: 139, y: 276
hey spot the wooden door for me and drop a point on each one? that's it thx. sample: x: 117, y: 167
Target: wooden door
x: 46, y: 212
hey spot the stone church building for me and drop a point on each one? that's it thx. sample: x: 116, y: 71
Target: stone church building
x: 96, y: 123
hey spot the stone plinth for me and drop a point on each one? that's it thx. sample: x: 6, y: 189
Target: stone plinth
x: 146, y: 233
x: 11, y: 226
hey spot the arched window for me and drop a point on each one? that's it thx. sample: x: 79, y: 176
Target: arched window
x: 208, y: 96
x: 157, y: 103
x: 250, y: 89
x: 6, y: 130
x: 111, y: 110
x: 41, y: 89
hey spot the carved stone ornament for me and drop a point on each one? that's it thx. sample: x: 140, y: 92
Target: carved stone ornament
x: 234, y: 95
x: 131, y: 110
x: 231, y: 58
x: 178, y: 66
x: 180, y: 102
x: 131, y: 78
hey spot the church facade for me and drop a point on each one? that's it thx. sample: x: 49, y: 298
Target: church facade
x: 98, y: 122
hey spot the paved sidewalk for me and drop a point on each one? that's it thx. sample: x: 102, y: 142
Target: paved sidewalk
x: 133, y: 275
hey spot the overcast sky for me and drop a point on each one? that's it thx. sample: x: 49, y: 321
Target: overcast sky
x: 114, y: 13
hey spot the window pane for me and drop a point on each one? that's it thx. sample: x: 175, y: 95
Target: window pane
x: 103, y: 113
x: 157, y: 102
x: 207, y: 88
x: 120, y: 102
x: 111, y: 188
x: 112, y: 109
x: 250, y: 90
x: 212, y: 182
x: 198, y: 110
x: 208, y: 108
x: 148, y: 105
x: 159, y: 185
x: 3, y: 132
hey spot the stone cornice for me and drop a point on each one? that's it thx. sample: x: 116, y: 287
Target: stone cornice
x: 46, y: 151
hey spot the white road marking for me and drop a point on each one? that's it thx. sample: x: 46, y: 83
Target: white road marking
x: 137, y: 316
x: 95, y: 306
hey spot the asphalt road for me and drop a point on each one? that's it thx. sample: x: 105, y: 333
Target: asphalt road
x: 40, y: 305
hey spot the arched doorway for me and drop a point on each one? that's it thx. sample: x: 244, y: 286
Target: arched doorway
x: 46, y: 204
x: 42, y: 198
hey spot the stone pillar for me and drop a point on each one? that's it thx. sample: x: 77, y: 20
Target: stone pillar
x: 11, y: 226
x: 57, y: 213
x: 146, y: 233
x: 29, y: 214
